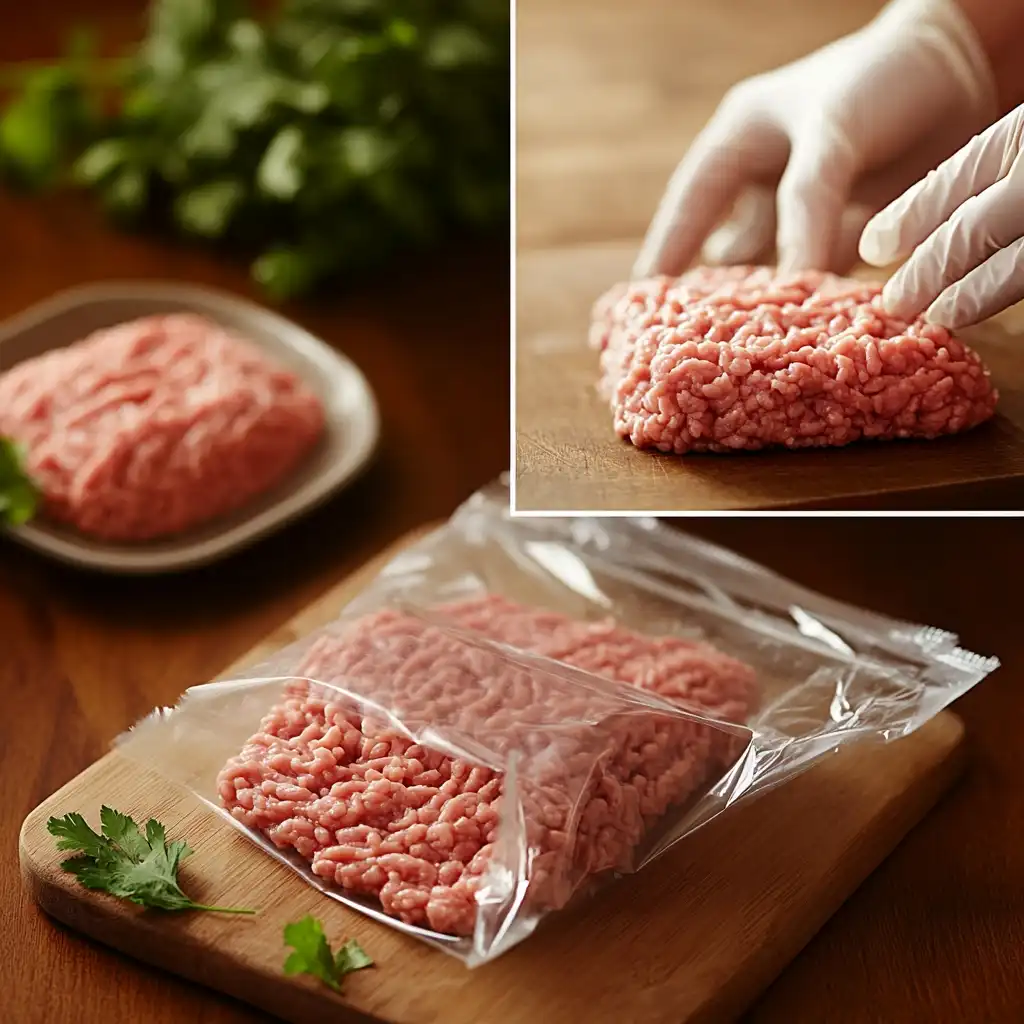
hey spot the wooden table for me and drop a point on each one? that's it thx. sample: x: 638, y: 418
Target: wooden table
x: 609, y: 96
x: 934, y: 935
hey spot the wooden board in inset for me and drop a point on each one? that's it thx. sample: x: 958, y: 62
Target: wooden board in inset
x: 696, y: 936
x: 568, y: 457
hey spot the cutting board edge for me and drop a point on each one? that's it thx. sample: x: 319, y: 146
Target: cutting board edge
x: 949, y: 495
x: 101, y: 917
x: 60, y: 897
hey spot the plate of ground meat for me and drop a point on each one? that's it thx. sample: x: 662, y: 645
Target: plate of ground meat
x: 167, y: 425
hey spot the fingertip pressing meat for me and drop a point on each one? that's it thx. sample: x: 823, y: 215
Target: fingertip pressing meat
x: 380, y: 814
x: 152, y: 427
x: 741, y: 358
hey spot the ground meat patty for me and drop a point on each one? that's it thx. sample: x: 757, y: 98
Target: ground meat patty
x: 154, y: 426
x: 741, y: 358
x: 415, y: 826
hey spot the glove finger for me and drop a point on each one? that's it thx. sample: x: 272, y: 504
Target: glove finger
x: 989, y: 289
x: 908, y: 220
x: 748, y: 234
x: 844, y: 250
x: 722, y: 159
x: 811, y: 199
x: 980, y: 226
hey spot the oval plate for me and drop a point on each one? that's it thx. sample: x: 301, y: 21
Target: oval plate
x: 351, y: 433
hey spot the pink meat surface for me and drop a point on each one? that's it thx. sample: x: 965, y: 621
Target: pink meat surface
x: 154, y: 426
x: 743, y: 358
x: 381, y: 815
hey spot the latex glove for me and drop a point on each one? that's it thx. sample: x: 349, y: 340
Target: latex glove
x: 830, y: 140
x: 963, y: 229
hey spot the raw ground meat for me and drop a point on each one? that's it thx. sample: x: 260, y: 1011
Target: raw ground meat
x: 416, y: 826
x: 736, y: 358
x: 688, y: 673
x: 154, y: 426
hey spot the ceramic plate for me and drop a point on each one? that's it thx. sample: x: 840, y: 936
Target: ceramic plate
x: 352, y: 428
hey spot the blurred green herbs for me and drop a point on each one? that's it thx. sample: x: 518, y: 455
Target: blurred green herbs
x: 323, y: 139
x: 19, y: 497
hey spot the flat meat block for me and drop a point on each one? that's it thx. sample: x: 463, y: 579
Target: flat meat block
x: 742, y: 358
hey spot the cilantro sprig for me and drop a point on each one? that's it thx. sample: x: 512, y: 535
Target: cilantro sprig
x: 19, y: 497
x: 312, y: 953
x: 322, y: 139
x: 125, y: 862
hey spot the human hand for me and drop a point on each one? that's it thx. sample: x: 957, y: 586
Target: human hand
x: 815, y: 148
x: 963, y: 229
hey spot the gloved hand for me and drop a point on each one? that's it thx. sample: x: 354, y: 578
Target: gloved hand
x: 846, y: 129
x: 963, y: 229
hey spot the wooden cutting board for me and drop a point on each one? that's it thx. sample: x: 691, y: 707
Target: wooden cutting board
x: 694, y: 937
x: 568, y: 457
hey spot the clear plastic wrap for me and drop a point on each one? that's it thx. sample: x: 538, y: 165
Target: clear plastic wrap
x: 516, y: 710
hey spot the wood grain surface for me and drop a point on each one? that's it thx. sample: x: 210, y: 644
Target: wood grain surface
x: 935, y: 934
x: 698, y: 934
x: 608, y: 97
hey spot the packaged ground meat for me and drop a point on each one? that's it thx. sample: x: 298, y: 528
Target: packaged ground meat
x: 517, y: 710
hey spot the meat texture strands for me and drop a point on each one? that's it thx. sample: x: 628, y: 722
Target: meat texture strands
x: 740, y: 358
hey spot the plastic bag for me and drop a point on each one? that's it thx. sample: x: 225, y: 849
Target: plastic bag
x: 515, y: 710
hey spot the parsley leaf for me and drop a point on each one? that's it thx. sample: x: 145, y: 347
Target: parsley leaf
x: 351, y: 957
x: 312, y: 953
x: 206, y: 209
x: 280, y: 170
x: 19, y: 497
x: 124, y: 862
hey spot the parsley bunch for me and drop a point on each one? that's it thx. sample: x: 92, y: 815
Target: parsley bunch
x: 324, y: 139
x: 136, y: 866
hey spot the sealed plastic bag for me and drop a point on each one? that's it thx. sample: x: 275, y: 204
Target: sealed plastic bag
x: 516, y: 710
